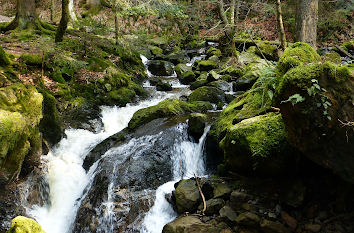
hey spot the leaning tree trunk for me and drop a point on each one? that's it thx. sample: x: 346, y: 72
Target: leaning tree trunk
x: 26, y: 16
x: 306, y: 21
x: 65, y: 17
x: 281, y: 26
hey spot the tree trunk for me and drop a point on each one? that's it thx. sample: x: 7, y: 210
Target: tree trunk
x: 116, y: 25
x: 306, y: 21
x: 93, y: 3
x: 65, y: 17
x: 52, y: 11
x: 222, y: 13
x: 281, y: 26
x: 26, y: 16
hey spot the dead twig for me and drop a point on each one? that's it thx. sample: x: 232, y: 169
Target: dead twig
x: 201, y: 194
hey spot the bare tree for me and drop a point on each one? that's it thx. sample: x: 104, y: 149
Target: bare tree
x: 280, y: 25
x: 65, y: 17
x: 306, y: 21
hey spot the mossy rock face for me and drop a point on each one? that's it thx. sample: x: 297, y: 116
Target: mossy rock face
x: 50, y: 125
x: 206, y: 93
x: 314, y: 101
x: 120, y: 97
x: 22, y: 224
x: 258, y: 145
x: 20, y: 114
x: 201, y: 81
x: 166, y: 108
x: 298, y: 54
x: 187, y: 77
x: 207, y: 65
x: 4, y: 59
x: 268, y: 50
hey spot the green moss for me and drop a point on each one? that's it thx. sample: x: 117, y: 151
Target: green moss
x: 121, y: 96
x: 213, y: 52
x: 32, y: 59
x: 22, y: 224
x: 298, y: 54
x: 98, y: 64
x: 268, y: 50
x: 333, y: 57
x: 158, y: 41
x: 257, y: 144
x: 156, y: 50
x: 4, y: 60
x: 166, y: 108
x: 349, y: 45
x: 206, y: 93
x: 207, y: 65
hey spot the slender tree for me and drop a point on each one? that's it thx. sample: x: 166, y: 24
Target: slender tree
x: 281, y: 25
x: 52, y: 5
x: 65, y: 17
x: 306, y: 21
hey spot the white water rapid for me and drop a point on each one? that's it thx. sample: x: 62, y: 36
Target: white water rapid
x: 188, y: 160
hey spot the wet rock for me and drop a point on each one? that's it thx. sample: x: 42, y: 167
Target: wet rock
x: 213, y: 52
x: 178, y: 57
x: 212, y: 206
x: 268, y: 50
x: 222, y: 190
x: 160, y: 68
x: 163, y: 86
x: 187, y: 196
x: 273, y: 227
x: 243, y: 84
x: 228, y: 213
x: 207, y: 65
x: 237, y: 199
x: 196, y: 125
x: 23, y: 224
x: 248, y: 219
x: 201, y: 81
x: 210, y: 94
x: 213, y: 76
x: 182, y: 68
x: 187, y: 77
x: 189, y: 224
x: 220, y: 84
x: 317, y: 117
x: 313, y: 227
x: 290, y: 221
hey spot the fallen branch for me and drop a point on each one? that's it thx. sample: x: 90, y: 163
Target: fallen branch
x: 344, y: 52
x: 201, y: 194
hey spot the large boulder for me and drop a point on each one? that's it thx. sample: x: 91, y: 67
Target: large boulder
x: 20, y: 139
x: 187, y: 77
x: 187, y: 196
x: 258, y: 145
x: 161, y: 68
x: 206, y: 93
x: 182, y: 68
x: 297, y: 54
x: 316, y: 102
x: 190, y: 224
x: 166, y: 108
x: 22, y: 224
x: 207, y: 65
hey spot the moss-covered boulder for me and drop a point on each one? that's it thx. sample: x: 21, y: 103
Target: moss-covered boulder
x: 187, y: 196
x: 202, y: 80
x: 161, y: 68
x: 163, y: 86
x: 268, y: 50
x: 196, y: 125
x: 20, y: 141
x: 298, y: 54
x: 22, y: 224
x: 187, y: 77
x: 213, y: 52
x: 206, y: 93
x: 4, y: 59
x: 332, y: 57
x: 257, y: 145
x: 32, y: 59
x: 207, y: 65
x: 182, y: 68
x: 167, y: 108
x: 178, y: 57
x: 316, y: 102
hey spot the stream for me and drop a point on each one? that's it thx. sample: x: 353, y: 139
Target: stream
x: 126, y: 189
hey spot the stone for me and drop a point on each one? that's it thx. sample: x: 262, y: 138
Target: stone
x: 220, y: 84
x: 273, y: 227
x: 242, y: 84
x: 228, y: 213
x: 313, y: 227
x: 189, y: 224
x: 182, y: 68
x: 205, y: 93
x: 207, y: 65
x: 187, y: 196
x: 161, y: 68
x: 212, y: 206
x: 237, y: 199
x: 163, y: 86
x: 248, y: 219
x: 222, y: 190
x: 26, y: 225
x: 196, y: 125
x: 187, y: 77
x: 213, y: 76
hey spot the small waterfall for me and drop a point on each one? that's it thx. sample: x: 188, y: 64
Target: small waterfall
x: 187, y: 160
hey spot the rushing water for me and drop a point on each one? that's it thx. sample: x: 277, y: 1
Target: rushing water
x: 69, y: 182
